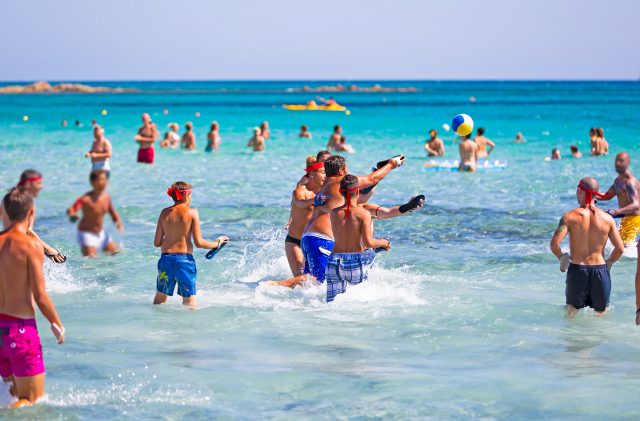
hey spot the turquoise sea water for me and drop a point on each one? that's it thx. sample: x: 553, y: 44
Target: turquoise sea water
x: 462, y: 319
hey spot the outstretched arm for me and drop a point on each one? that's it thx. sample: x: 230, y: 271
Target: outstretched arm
x: 634, y: 205
x: 376, y: 176
x: 610, y: 194
x: 197, y: 234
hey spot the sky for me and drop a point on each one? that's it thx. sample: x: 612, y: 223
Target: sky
x: 315, y: 40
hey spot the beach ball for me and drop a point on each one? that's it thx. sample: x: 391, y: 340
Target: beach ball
x: 462, y: 124
x: 197, y: 114
x: 446, y: 127
x: 25, y: 118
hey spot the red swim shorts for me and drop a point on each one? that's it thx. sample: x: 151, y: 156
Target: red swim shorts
x: 146, y: 155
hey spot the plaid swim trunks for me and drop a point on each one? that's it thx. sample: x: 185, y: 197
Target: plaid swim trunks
x: 347, y: 268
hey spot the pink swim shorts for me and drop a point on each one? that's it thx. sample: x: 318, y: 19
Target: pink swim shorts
x: 20, y: 349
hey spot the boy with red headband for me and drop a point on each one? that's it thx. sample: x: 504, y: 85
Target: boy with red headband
x: 22, y: 286
x: 95, y: 205
x: 588, y: 276
x: 177, y: 225
x: 349, y: 262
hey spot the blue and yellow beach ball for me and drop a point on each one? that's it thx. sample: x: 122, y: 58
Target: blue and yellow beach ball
x: 462, y: 124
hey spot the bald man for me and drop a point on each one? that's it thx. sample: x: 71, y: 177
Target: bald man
x: 147, y: 135
x: 626, y: 188
x: 588, y: 228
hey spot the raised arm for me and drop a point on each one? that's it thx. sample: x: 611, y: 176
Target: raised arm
x: 115, y: 216
x: 157, y: 240
x: 616, y: 242
x: 376, y: 176
x: 367, y: 234
x: 40, y: 296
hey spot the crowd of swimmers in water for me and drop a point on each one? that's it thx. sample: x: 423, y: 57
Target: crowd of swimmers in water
x: 330, y: 236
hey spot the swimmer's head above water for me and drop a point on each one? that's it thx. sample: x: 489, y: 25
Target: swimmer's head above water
x: 180, y: 192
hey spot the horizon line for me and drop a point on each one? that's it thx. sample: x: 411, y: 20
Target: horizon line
x: 319, y: 80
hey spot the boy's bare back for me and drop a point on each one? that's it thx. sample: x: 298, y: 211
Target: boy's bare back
x: 20, y: 255
x: 177, y: 227
x: 348, y: 230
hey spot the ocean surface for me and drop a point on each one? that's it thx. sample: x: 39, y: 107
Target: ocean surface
x: 464, y: 318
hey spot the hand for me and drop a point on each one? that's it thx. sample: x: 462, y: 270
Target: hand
x: 73, y: 218
x: 58, y: 332
x: 88, y: 155
x: 388, y: 247
x: 612, y: 212
x: 397, y: 161
x: 565, y: 261
x: 222, y: 240
x: 119, y: 226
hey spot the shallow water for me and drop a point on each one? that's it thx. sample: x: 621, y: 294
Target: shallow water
x: 462, y: 319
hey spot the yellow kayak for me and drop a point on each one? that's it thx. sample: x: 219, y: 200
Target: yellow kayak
x: 304, y: 107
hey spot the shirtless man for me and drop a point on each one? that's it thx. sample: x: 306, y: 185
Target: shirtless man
x: 189, y: 138
x: 575, y: 152
x: 520, y: 138
x: 434, y: 146
x: 304, y: 132
x: 482, y: 143
x: 588, y: 278
x: 177, y: 226
x: 468, y: 154
x: 334, y: 140
x: 317, y: 240
x: 302, y: 203
x: 147, y: 135
x: 100, y: 152
x: 31, y: 181
x: 94, y: 205
x: 257, y: 140
x: 627, y: 189
x: 349, y: 263
x: 22, y: 285
x: 265, y: 131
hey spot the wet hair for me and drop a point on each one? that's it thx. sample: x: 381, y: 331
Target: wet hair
x: 322, y: 156
x: 27, y: 174
x: 304, y: 127
x: 336, y: 127
x: 574, y: 148
x: 480, y: 131
x: 95, y: 174
x: 17, y: 204
x: 348, y: 182
x: 599, y: 131
x: 334, y: 164
x: 311, y: 159
x: 180, y: 185
x: 590, y: 183
x: 554, y: 150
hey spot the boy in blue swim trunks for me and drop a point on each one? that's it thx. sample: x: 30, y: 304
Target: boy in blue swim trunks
x: 349, y: 262
x: 177, y: 225
x: 588, y: 277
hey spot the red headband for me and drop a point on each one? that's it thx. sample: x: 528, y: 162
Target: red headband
x: 180, y: 193
x: 589, y: 194
x: 347, y: 210
x: 29, y: 180
x: 314, y: 167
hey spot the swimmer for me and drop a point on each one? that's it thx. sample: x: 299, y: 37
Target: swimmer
x: 627, y: 189
x: 349, y: 262
x: 520, y: 138
x: 31, y: 182
x: 599, y: 144
x: 555, y: 154
x: 189, y: 137
x: 64, y: 123
x: 177, y: 226
x: 343, y: 146
x: 213, y: 137
x: 588, y: 228
x: 94, y: 205
x: 482, y: 143
x: 264, y: 130
x: 257, y: 140
x: 79, y: 124
x: 171, y: 138
x: 575, y: 152
x: 302, y: 203
x: 317, y: 240
x: 312, y: 104
x: 434, y: 146
x: 304, y: 132
x: 147, y: 135
x: 100, y: 152
x: 468, y: 154
x: 22, y: 286
x: 328, y: 102
x: 334, y: 140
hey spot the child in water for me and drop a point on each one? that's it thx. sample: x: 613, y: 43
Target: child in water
x: 95, y: 204
x: 177, y: 225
